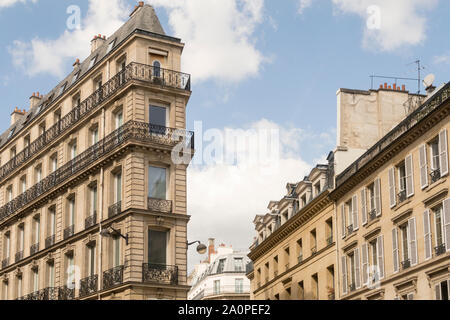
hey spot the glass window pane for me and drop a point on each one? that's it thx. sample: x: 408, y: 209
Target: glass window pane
x: 157, y: 247
x: 158, y: 116
x: 157, y: 183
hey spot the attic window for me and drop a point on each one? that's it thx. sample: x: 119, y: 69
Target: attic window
x: 61, y: 90
x: 111, y: 45
x: 39, y: 109
x: 28, y: 118
x: 11, y: 132
x: 93, y: 60
x: 75, y: 77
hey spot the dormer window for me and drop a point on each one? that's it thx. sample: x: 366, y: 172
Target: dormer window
x: 111, y: 46
x: 317, y: 188
x: 61, y: 90
x: 93, y: 60
x: 11, y: 133
x: 75, y: 77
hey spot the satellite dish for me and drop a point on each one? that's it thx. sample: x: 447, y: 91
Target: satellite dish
x: 428, y: 81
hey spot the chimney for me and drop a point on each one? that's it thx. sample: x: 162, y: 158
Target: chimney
x: 35, y: 99
x: 403, y: 87
x: 136, y: 8
x: 97, y: 42
x: 16, y: 115
x: 211, y: 248
x: 76, y: 64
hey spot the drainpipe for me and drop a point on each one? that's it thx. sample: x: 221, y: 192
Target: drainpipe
x: 100, y: 213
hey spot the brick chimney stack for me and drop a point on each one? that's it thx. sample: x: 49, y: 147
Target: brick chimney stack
x: 211, y: 248
x: 97, y: 42
x: 17, y: 115
x: 35, y: 99
x: 136, y: 8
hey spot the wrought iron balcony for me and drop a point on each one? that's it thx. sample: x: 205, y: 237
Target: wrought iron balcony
x: 350, y: 230
x: 275, y: 273
x: 435, y: 175
x: 34, y: 249
x: 372, y: 215
x: 313, y: 251
x: 132, y: 130
x: 115, y: 209
x: 300, y: 258
x: 50, y: 241
x: 406, y: 264
x: 48, y: 294
x: 34, y: 296
x: 133, y: 72
x: 91, y: 220
x: 113, y: 277
x: 440, y: 249
x: 19, y: 256
x: 88, y: 286
x: 330, y: 241
x: 401, y: 196
x: 160, y: 205
x: 66, y: 293
x: 352, y: 287
x: 5, y: 263
x: 287, y: 266
x: 69, y: 231
x: 159, y: 273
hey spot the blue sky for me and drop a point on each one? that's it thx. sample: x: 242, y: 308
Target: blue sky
x: 289, y: 66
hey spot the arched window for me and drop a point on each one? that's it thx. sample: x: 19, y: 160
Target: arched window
x: 157, y: 69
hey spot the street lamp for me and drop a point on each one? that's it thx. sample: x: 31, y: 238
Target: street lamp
x: 201, y: 248
x: 108, y: 233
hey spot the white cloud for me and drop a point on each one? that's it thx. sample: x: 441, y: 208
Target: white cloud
x: 442, y: 59
x: 303, y: 5
x: 54, y: 56
x: 223, y: 199
x: 402, y: 22
x: 10, y: 3
x: 219, y: 36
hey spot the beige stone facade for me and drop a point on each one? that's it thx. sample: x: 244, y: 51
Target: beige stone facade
x: 91, y: 155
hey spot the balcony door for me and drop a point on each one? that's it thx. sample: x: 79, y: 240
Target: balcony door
x: 157, y: 247
x: 158, y: 119
x: 157, y: 183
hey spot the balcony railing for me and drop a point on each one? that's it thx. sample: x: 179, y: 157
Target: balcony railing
x: 300, y: 258
x: 435, y: 175
x: 160, y: 205
x: 88, y: 286
x: 113, y: 277
x: 5, y: 263
x: 134, y: 71
x: 48, y: 294
x: 50, y: 241
x: 401, y: 196
x: 313, y: 251
x: 406, y: 264
x: 440, y: 249
x: 329, y: 241
x: 91, y: 220
x: 350, y: 230
x: 275, y: 273
x: 159, y: 273
x: 115, y: 209
x: 372, y: 215
x: 34, y: 296
x: 19, y: 256
x: 352, y: 287
x: 409, y: 122
x: 34, y: 249
x: 66, y: 293
x: 132, y: 130
x: 69, y: 231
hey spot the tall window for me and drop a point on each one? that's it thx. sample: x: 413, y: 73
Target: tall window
x: 90, y: 260
x: 239, y: 285
x: 157, y: 247
x: 439, y: 239
x: 217, y: 287
x: 9, y: 193
x: 157, y: 116
x: 71, y: 213
x: 19, y: 286
x: 157, y: 69
x: 238, y: 264
x: 70, y: 271
x: 38, y: 174
x: 401, y: 172
x: 5, y: 290
x: 221, y: 266
x: 434, y: 152
x: 7, y: 246
x: 73, y: 150
x: 23, y: 184
x: 21, y: 238
x: 157, y: 184
x: 118, y: 187
x: 119, y: 119
x: 51, y: 274
x: 52, y: 221
x: 94, y: 135
x: 37, y: 229
x: 315, y: 286
x: 116, y: 251
x: 93, y: 197
x: 442, y: 290
x: 301, y: 291
x: 35, y: 280
x: 300, y: 250
x: 404, y: 242
x: 54, y: 162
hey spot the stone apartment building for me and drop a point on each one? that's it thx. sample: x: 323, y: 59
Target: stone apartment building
x: 92, y: 193
x: 388, y: 200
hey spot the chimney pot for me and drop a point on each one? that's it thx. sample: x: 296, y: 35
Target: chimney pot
x: 381, y: 86
x: 403, y: 87
x: 385, y: 85
x: 395, y: 86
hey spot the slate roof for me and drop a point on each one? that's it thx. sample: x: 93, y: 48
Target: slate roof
x: 144, y: 21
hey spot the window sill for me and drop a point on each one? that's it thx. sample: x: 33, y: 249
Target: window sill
x: 434, y: 185
x: 371, y: 223
x: 401, y: 205
x: 350, y: 236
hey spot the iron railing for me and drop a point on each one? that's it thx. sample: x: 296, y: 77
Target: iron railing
x: 300, y: 258
x: 435, y: 175
x: 48, y: 294
x: 69, y: 231
x: 66, y: 293
x: 402, y: 196
x: 34, y: 248
x: 115, y: 209
x: 33, y: 296
x: 132, y: 130
x: 330, y: 241
x: 440, y: 249
x: 275, y: 273
x: 134, y: 71
x: 350, y: 230
x: 352, y: 287
x: 159, y: 205
x: 91, y: 220
x: 5, y: 263
x: 409, y: 122
x: 313, y: 250
x: 113, y: 277
x: 50, y: 241
x: 372, y: 215
x: 88, y: 286
x: 159, y: 273
x: 19, y: 256
x: 406, y: 264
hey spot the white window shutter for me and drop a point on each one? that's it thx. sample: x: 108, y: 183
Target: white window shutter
x: 378, y: 197
x: 409, y: 176
x: 392, y: 192
x: 343, y: 224
x: 357, y: 269
x: 423, y: 166
x: 355, y: 212
x: 427, y: 234
x: 365, y: 264
x: 380, y: 251
x: 446, y: 223
x: 443, y: 152
x: 437, y: 290
x: 344, y: 275
x: 395, y: 250
x: 363, y: 206
x: 412, y: 241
